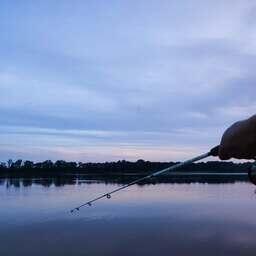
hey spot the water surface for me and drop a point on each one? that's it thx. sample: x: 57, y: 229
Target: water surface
x: 174, y: 219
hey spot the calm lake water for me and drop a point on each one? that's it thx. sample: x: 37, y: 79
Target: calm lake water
x: 161, y: 219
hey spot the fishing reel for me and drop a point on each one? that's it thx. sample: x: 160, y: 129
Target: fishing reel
x: 252, y: 173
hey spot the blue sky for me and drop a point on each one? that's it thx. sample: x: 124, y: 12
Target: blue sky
x: 108, y: 80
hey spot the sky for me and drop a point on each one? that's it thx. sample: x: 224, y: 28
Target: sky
x: 100, y: 80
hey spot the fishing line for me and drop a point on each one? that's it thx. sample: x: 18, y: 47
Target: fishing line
x: 213, y: 152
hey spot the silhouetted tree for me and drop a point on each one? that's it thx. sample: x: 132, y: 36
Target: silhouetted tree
x: 60, y: 164
x: 28, y: 164
x: 47, y: 164
x: 17, y: 164
x: 3, y: 165
x: 9, y: 163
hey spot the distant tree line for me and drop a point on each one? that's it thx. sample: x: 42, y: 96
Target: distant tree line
x: 20, y: 167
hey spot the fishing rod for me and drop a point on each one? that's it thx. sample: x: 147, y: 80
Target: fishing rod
x: 213, y: 152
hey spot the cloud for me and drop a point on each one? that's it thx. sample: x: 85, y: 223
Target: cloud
x: 152, y: 74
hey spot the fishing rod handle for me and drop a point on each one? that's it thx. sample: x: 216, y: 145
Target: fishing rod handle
x: 214, y: 151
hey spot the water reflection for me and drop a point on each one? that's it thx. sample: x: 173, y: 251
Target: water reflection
x: 45, y: 182
x: 69, y: 180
